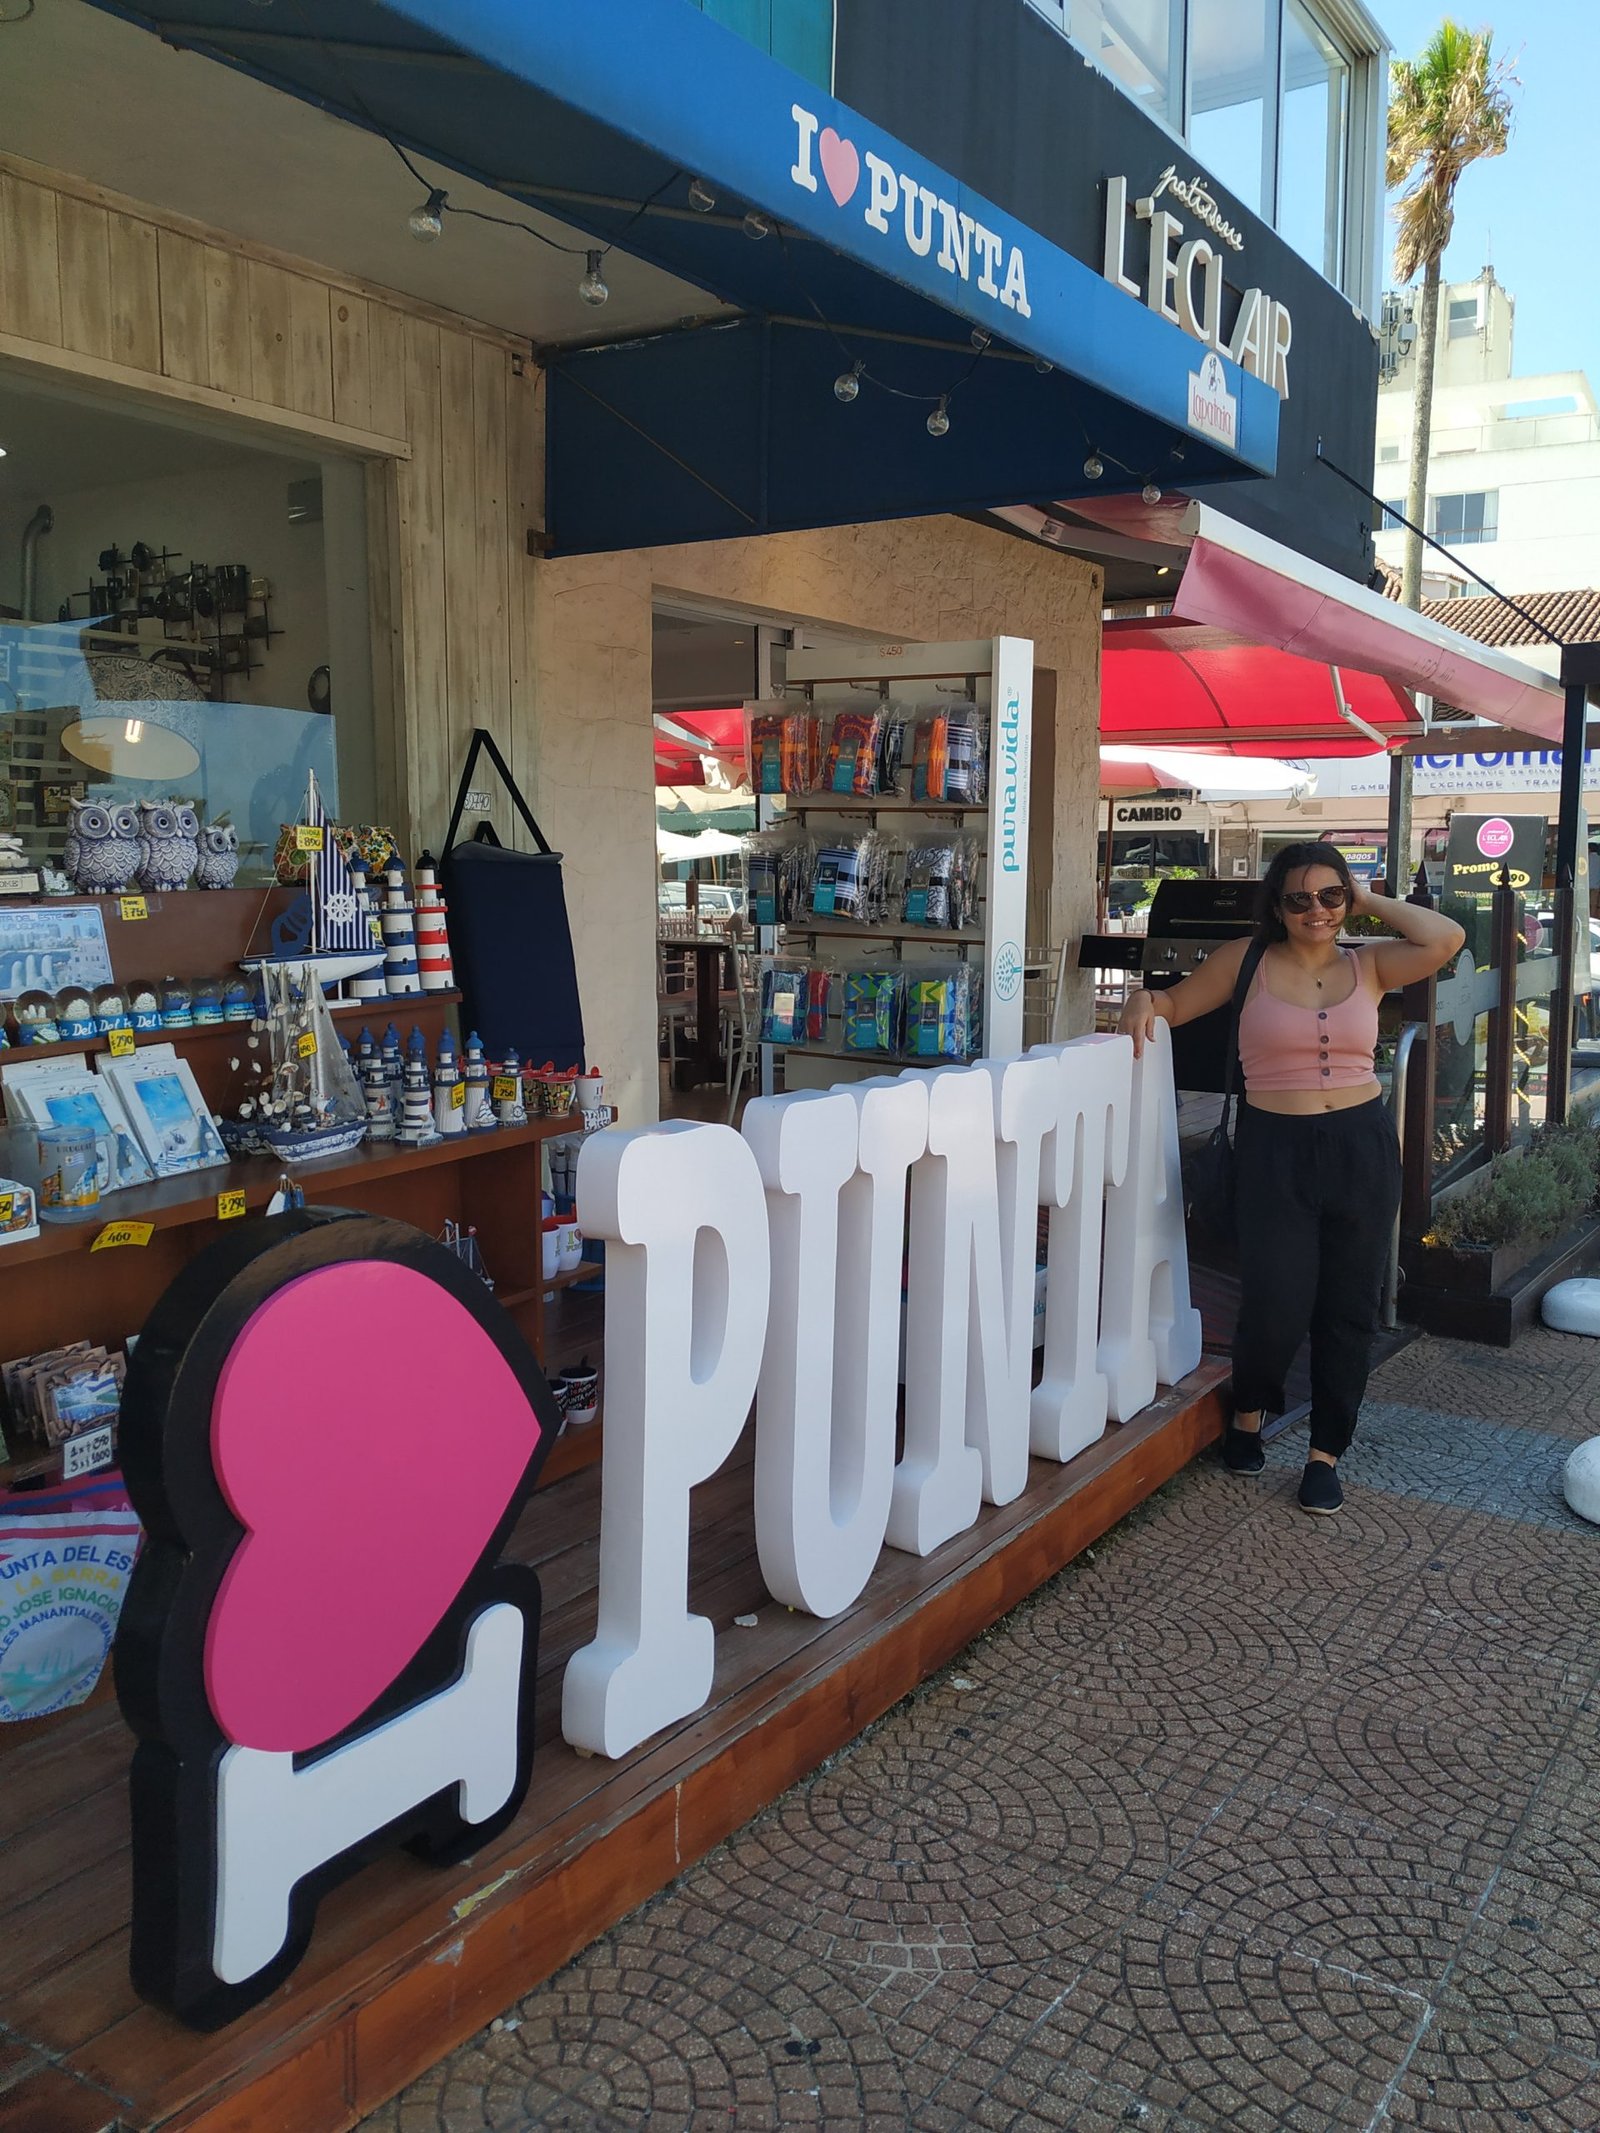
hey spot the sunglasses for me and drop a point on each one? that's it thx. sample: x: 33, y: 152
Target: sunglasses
x: 1301, y: 900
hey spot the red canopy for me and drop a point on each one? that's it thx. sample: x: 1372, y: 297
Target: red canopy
x: 683, y: 737
x: 1175, y: 684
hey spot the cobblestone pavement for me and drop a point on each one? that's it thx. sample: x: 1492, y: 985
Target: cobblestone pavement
x: 1246, y: 1821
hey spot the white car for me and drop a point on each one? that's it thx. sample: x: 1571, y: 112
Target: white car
x: 717, y: 900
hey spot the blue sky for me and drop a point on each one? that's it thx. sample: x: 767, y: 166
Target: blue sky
x: 1529, y: 210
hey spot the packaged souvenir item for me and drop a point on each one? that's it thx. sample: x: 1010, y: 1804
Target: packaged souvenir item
x: 851, y: 762
x: 939, y: 1013
x: 872, y: 1010
x: 783, y: 747
x: 950, y: 756
x: 850, y: 879
x: 783, y: 1003
x: 778, y: 869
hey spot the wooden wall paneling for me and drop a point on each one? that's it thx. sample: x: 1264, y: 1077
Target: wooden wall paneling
x: 83, y: 237
x: 311, y: 355
x: 524, y: 509
x: 491, y: 378
x: 269, y: 333
x: 352, y: 382
x: 444, y: 750
x: 181, y: 264
x: 227, y: 321
x: 384, y: 576
x: 30, y: 272
x: 135, y: 293
x: 386, y: 370
x: 422, y: 582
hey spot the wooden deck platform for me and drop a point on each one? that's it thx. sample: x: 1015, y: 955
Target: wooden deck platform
x: 408, y: 1961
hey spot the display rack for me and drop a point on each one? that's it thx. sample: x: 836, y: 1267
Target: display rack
x: 997, y: 674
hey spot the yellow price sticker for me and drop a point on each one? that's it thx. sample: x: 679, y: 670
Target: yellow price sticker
x: 132, y: 907
x: 7, y: 1200
x: 308, y: 837
x: 116, y: 1233
x: 305, y: 1044
x: 230, y: 1205
x: 503, y: 1088
x: 121, y: 1041
x: 458, y: 1095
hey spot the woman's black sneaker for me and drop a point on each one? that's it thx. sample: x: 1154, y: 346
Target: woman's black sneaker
x: 1320, y: 1492
x: 1242, y: 1451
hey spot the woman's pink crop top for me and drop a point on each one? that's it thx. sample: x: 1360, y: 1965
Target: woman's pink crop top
x: 1282, y: 1046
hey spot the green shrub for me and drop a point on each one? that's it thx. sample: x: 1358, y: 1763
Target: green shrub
x: 1531, y: 1196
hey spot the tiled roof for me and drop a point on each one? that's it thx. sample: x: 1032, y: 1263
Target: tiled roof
x: 1569, y: 617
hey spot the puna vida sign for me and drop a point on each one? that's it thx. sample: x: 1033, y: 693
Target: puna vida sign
x: 322, y: 1653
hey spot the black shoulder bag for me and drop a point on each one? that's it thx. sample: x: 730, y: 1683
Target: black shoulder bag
x: 1211, y: 1173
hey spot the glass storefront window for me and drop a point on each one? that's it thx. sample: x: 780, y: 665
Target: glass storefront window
x: 1228, y: 93
x: 1313, y: 132
x: 799, y: 33
x: 1134, y: 42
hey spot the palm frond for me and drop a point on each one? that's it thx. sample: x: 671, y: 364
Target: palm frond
x: 1449, y: 108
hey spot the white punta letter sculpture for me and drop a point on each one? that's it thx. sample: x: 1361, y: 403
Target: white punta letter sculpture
x: 834, y: 1166
x: 681, y: 1209
x: 1149, y: 1333
x: 1087, y: 1152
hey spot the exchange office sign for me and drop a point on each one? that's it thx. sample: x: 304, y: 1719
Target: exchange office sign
x: 1480, y: 845
x: 323, y: 1654
x: 1157, y: 815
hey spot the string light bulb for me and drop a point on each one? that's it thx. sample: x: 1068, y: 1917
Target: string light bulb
x: 757, y: 225
x: 1043, y: 365
x: 980, y: 339
x: 593, y: 288
x: 427, y: 221
x: 848, y: 383
x: 1093, y: 467
x: 701, y: 198
x: 939, y: 420
x: 1150, y: 494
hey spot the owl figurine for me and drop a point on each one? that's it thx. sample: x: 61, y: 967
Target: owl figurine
x: 219, y: 856
x: 103, y: 848
x: 169, y: 844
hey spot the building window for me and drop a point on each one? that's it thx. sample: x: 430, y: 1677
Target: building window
x: 1463, y: 521
x: 1231, y: 60
x: 797, y: 32
x: 1387, y: 452
x: 1463, y: 320
x: 1134, y: 41
x: 1313, y: 141
x: 1393, y: 509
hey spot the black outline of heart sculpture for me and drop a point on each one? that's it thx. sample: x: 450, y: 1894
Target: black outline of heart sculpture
x: 191, y: 1536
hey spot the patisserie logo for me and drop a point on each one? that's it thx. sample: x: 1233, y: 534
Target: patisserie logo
x: 900, y: 205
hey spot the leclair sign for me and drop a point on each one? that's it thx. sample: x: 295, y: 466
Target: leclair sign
x: 1183, y: 276
x: 901, y: 208
x: 320, y: 1671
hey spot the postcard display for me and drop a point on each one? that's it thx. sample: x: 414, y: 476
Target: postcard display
x: 892, y: 893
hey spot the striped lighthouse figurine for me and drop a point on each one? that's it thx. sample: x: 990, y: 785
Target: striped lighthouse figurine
x: 449, y: 1090
x: 479, y: 1110
x: 416, y: 1125
x: 399, y: 935
x: 433, y: 942
x: 370, y: 984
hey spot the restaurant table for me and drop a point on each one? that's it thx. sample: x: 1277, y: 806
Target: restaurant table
x: 703, y: 1061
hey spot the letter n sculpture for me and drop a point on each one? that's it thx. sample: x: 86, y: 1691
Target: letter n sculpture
x: 329, y: 1430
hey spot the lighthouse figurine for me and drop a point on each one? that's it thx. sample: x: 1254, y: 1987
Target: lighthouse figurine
x: 375, y: 1095
x: 370, y: 984
x: 399, y: 933
x: 508, y: 1109
x: 416, y: 1127
x: 480, y: 1116
x: 433, y: 942
x: 393, y: 1070
x: 449, y: 1091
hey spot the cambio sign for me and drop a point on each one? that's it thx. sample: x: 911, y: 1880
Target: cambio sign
x: 767, y: 1265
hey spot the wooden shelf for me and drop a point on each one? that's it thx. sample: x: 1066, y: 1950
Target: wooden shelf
x: 883, y: 803
x: 899, y: 1059
x: 823, y: 929
x: 200, y: 1033
x: 171, y: 1203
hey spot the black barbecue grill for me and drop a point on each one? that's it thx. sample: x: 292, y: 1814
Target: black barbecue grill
x: 1188, y: 920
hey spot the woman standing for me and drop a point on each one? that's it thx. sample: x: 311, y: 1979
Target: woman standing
x: 1318, y: 1162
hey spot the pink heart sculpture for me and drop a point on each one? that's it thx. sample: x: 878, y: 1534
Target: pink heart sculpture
x: 344, y: 1386
x: 841, y: 165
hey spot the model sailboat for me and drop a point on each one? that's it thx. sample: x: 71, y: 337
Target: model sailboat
x: 327, y: 929
x: 303, y: 1101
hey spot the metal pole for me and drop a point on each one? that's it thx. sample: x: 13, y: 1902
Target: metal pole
x: 1574, y: 735
x: 1398, y: 1090
x: 1502, y: 1017
x: 1398, y: 867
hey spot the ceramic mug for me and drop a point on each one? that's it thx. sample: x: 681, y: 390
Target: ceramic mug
x: 550, y: 1248
x: 583, y: 1395
x: 571, y: 1246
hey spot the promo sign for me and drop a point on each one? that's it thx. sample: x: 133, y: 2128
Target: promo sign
x: 1480, y: 845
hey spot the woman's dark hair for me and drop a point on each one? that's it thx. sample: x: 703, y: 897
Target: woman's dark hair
x: 1269, y: 902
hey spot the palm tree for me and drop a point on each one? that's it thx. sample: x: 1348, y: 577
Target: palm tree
x: 1447, y: 109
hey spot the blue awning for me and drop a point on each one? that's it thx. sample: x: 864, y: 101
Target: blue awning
x: 601, y: 112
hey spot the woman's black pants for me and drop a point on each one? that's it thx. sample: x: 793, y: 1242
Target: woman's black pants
x: 1316, y: 1202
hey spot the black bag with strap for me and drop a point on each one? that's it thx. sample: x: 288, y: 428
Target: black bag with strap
x: 1212, y: 1172
x: 510, y: 939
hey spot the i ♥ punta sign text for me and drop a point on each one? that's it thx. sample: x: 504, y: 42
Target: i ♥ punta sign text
x: 898, y: 206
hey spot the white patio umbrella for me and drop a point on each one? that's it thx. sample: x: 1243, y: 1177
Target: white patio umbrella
x: 1218, y: 778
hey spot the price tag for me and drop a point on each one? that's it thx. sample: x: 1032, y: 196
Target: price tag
x: 132, y: 907
x: 87, y: 1452
x: 6, y: 1200
x: 121, y: 1042
x: 308, y: 837
x: 503, y: 1088
x: 230, y: 1205
x: 458, y: 1096
x: 116, y: 1233
x: 305, y: 1044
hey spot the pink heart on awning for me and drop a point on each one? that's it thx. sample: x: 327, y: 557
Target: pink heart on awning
x: 841, y: 165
